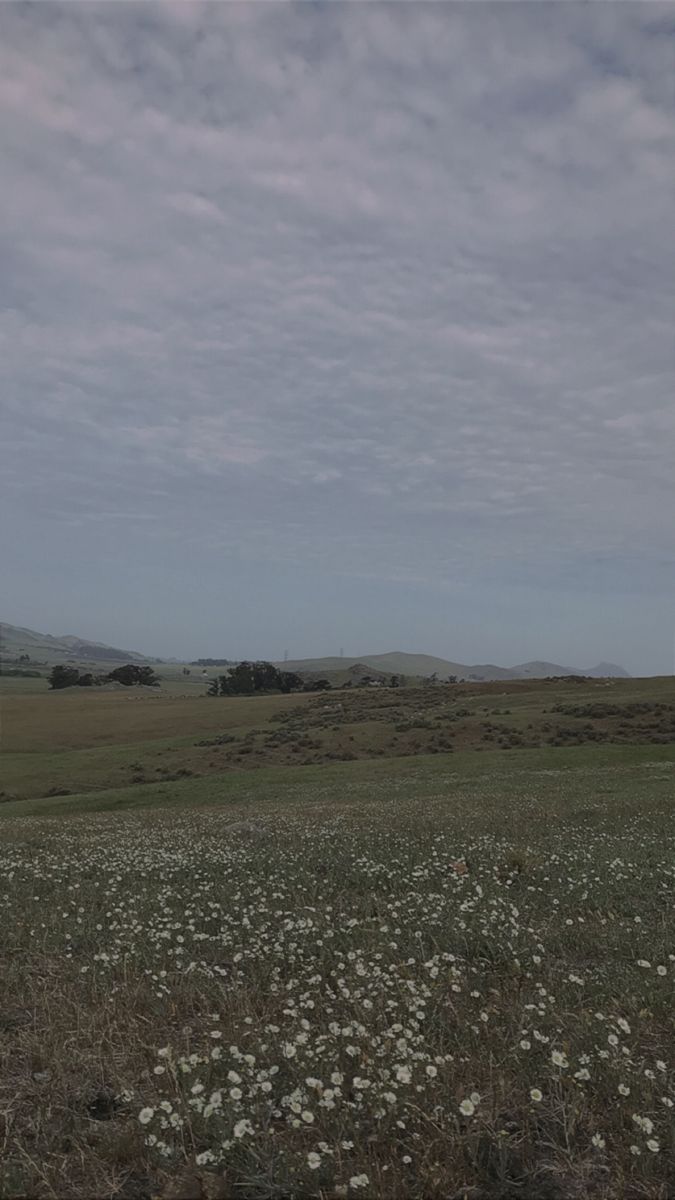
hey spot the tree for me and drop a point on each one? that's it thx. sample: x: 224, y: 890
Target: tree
x: 147, y: 677
x: 395, y: 681
x: 126, y: 675
x: 265, y: 677
x: 62, y: 676
x: 241, y: 679
x: 289, y: 681
x: 132, y: 673
x: 247, y: 679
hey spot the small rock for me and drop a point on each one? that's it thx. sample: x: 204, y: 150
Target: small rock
x: 459, y: 867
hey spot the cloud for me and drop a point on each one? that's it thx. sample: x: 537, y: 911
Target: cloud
x: 395, y: 275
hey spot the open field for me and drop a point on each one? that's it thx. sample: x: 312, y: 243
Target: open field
x: 275, y: 983
x: 81, y: 740
x: 172, y: 680
x: 240, y: 953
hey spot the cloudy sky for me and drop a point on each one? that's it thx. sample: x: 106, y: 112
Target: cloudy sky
x: 338, y: 324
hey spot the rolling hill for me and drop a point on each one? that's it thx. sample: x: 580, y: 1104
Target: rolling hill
x: 399, y: 663
x: 42, y: 647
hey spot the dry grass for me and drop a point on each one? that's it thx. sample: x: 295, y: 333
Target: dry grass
x: 360, y: 989
x: 78, y: 719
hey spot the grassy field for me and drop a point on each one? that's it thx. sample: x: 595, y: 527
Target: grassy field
x: 442, y: 974
x: 172, y: 680
x: 78, y: 741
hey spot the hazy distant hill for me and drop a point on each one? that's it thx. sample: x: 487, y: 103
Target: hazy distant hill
x: 396, y: 663
x: 14, y: 640
x: 399, y: 663
x: 539, y: 670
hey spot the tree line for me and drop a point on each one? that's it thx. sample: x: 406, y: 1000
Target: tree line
x: 250, y: 678
x: 63, y: 676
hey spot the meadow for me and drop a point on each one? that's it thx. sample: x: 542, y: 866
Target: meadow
x: 441, y: 973
x: 78, y: 741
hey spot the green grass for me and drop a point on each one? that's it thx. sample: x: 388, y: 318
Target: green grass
x: 297, y: 912
x: 81, y: 741
x: 503, y: 1032
x: 626, y: 772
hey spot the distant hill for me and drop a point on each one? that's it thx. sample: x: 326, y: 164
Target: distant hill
x: 14, y: 641
x: 540, y: 670
x: 416, y: 665
x: 42, y: 647
x: 395, y: 663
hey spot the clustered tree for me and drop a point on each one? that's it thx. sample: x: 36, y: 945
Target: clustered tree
x: 64, y: 676
x: 132, y: 673
x: 247, y: 678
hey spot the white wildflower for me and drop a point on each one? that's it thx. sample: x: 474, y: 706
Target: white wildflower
x: 359, y: 1181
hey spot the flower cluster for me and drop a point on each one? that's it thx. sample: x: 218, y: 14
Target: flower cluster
x: 328, y: 999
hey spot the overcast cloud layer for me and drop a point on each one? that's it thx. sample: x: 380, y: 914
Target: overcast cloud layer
x: 340, y: 324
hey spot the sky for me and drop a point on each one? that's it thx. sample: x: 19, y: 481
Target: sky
x: 340, y: 325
